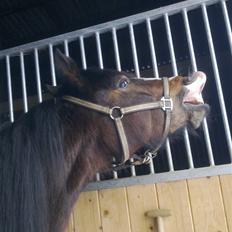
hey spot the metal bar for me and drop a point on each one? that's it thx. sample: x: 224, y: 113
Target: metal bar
x: 120, y: 23
x: 136, y: 65
x: 152, y: 48
x: 83, y: 57
x: 51, y: 57
x: 169, y: 155
x: 9, y: 85
x: 98, y: 178
x: 132, y: 168
x: 100, y: 62
x: 38, y: 80
x: 134, y: 51
x: 189, y: 40
x: 151, y: 166
x: 170, y: 45
x: 118, y: 64
x: 116, y: 51
x: 154, y: 67
x: 175, y: 72
x: 217, y: 79
x: 162, y: 177
x: 66, y: 50
x: 115, y: 173
x: 24, y: 88
x: 227, y: 22
x: 188, y: 148
x: 99, y: 50
x: 194, y: 66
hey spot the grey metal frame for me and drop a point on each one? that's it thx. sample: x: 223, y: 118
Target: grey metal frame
x: 129, y: 22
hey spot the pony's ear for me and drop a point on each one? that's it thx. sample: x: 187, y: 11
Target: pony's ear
x: 66, y: 68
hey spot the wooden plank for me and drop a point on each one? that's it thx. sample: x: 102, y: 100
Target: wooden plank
x: 141, y: 199
x: 174, y: 196
x: 207, y: 205
x: 87, y: 213
x: 114, y: 210
x: 226, y: 185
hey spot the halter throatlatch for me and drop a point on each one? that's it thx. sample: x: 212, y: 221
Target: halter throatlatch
x: 117, y: 113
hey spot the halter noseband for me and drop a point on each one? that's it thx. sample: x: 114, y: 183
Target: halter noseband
x: 117, y: 113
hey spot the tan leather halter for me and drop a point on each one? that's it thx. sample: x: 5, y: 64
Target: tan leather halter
x: 117, y: 113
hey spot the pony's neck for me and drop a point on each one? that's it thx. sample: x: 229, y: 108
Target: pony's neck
x: 85, y: 155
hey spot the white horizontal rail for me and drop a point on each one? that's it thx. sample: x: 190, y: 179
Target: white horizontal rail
x: 162, y: 177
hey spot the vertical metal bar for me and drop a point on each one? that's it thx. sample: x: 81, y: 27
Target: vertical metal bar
x: 152, y: 48
x: 99, y: 51
x: 38, y: 80
x: 151, y: 166
x: 66, y: 50
x: 170, y: 45
x: 116, y: 51
x: 100, y: 62
x: 189, y: 40
x: 132, y: 168
x: 84, y: 66
x: 134, y: 51
x: 51, y: 57
x: 154, y: 67
x: 175, y: 72
x: 83, y: 57
x: 118, y: 65
x: 98, y: 178
x: 22, y: 66
x: 188, y: 148
x: 115, y: 174
x: 217, y: 78
x: 227, y: 22
x: 136, y: 65
x: 194, y: 66
x: 9, y: 85
x: 169, y: 155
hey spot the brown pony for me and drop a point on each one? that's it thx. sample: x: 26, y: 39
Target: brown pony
x: 49, y: 155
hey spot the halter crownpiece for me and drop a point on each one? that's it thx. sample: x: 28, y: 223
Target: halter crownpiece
x: 117, y: 113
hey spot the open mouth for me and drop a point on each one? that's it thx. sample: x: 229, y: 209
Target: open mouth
x: 194, y: 88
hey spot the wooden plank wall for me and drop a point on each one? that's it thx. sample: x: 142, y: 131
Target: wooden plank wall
x: 197, y: 205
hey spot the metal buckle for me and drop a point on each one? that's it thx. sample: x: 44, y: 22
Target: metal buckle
x: 149, y: 155
x: 116, y: 110
x: 167, y: 103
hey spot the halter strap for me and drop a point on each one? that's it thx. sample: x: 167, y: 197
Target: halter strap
x: 117, y: 113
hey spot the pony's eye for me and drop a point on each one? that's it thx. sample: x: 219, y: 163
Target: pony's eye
x: 123, y: 84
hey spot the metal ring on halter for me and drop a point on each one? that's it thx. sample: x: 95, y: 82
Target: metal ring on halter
x: 116, y: 109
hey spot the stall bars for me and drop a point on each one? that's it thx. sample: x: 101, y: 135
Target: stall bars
x: 130, y: 22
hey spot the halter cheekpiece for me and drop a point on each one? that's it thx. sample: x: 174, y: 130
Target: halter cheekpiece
x: 117, y: 113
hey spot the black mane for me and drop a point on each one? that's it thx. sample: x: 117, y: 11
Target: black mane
x: 31, y: 156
